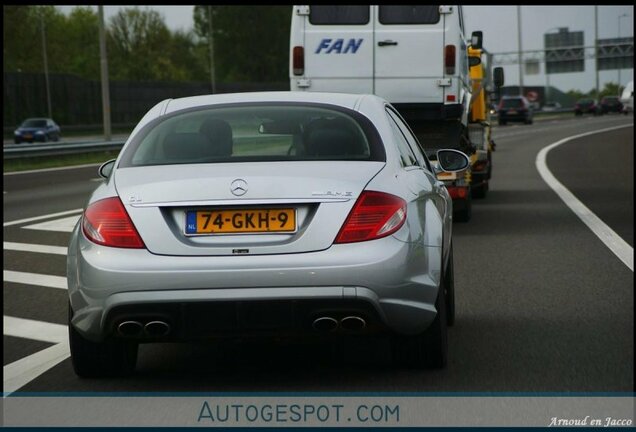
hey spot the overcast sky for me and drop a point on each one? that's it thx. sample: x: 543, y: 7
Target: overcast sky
x: 499, y: 24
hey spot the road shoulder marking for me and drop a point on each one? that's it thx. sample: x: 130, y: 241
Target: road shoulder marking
x: 66, y: 224
x: 35, y: 330
x: 36, y: 218
x: 30, y: 247
x: 23, y: 371
x: 607, y: 235
x: 34, y: 279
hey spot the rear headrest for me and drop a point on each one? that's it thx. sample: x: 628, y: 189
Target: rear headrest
x: 186, y: 146
x: 219, y: 135
x: 326, y: 137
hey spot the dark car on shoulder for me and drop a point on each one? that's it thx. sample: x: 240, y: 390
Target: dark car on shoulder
x: 586, y: 106
x: 37, y: 129
x: 515, y: 108
x: 611, y: 104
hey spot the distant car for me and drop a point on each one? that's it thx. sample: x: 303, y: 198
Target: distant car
x: 37, y: 129
x: 611, y: 104
x: 586, y: 106
x: 515, y: 108
x: 264, y: 214
x: 551, y: 106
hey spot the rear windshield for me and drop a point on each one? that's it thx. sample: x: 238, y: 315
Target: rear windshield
x: 585, y: 101
x: 34, y: 123
x: 246, y: 133
x: 409, y: 14
x: 337, y: 15
x: 511, y: 103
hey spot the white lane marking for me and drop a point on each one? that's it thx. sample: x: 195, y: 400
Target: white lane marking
x: 21, y: 372
x: 613, y: 241
x: 64, y: 224
x: 28, y: 247
x: 36, y: 330
x: 52, y: 169
x: 31, y: 219
x: 34, y: 279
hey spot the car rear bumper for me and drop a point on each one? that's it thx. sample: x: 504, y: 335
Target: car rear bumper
x: 391, y: 282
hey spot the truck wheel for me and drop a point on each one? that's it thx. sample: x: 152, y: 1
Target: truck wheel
x: 480, y: 191
x: 428, y: 349
x: 100, y: 359
x: 465, y: 214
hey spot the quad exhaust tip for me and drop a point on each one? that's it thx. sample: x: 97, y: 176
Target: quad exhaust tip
x: 157, y: 328
x: 325, y: 324
x: 353, y: 323
x: 130, y: 328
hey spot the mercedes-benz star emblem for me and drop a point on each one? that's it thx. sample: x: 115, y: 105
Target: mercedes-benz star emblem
x: 238, y: 187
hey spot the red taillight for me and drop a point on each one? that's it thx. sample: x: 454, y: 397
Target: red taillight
x: 374, y: 215
x: 449, y: 59
x: 106, y: 223
x: 457, y: 192
x: 298, y: 56
x: 450, y: 98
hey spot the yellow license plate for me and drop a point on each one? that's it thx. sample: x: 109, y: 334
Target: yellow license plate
x: 238, y: 221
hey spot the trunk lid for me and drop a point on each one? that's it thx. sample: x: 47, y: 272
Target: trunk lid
x: 320, y: 194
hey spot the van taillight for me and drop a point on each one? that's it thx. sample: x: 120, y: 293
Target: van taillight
x: 449, y: 59
x: 298, y: 56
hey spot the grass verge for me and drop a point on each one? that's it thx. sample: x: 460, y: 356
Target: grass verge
x: 41, y: 162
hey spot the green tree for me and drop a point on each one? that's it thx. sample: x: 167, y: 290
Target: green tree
x: 251, y: 42
x: 575, y: 94
x: 23, y: 37
x: 138, y: 42
x: 188, y: 57
x: 82, y: 44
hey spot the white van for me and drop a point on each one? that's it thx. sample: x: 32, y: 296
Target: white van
x: 413, y: 56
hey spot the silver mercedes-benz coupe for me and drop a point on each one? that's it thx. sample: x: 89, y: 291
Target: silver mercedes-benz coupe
x: 264, y: 214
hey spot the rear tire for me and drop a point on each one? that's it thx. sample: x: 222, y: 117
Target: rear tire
x: 449, y: 289
x: 100, y: 359
x: 426, y: 350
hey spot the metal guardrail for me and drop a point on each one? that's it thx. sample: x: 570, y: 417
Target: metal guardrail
x: 15, y: 151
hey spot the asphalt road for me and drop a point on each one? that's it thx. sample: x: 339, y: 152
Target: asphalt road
x: 542, y: 304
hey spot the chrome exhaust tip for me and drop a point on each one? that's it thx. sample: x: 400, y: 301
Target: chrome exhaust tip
x: 157, y: 328
x: 130, y: 328
x: 354, y: 323
x: 325, y: 324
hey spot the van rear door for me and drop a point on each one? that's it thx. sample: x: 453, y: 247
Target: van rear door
x: 338, y: 43
x: 409, y: 54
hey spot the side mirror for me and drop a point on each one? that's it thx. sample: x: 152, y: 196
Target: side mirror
x: 474, y: 61
x: 450, y: 160
x: 106, y: 169
x: 477, y: 39
x: 498, y: 76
